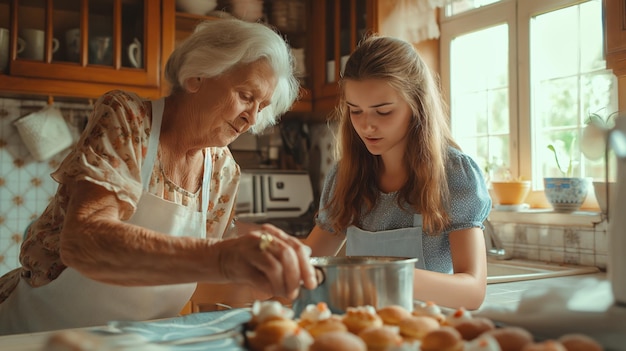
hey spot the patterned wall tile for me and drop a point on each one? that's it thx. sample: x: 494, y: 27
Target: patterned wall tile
x: 25, y: 184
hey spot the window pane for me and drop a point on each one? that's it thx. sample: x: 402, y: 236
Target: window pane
x: 480, y: 94
x: 568, y: 82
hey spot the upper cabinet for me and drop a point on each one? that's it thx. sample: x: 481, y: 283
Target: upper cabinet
x: 80, y: 48
x: 615, y: 34
x: 321, y: 33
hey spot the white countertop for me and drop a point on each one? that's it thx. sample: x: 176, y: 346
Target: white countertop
x: 552, y: 307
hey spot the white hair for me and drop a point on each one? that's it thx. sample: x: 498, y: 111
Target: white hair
x: 216, y: 46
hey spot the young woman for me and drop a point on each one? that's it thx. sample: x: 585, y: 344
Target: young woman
x: 401, y: 186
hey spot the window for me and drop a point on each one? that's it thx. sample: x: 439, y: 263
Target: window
x: 524, y: 74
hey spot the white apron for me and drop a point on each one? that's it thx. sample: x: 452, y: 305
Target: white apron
x: 73, y: 300
x: 403, y: 242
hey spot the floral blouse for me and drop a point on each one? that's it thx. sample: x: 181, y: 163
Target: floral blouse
x: 110, y: 153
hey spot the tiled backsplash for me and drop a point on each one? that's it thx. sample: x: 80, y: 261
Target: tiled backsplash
x: 25, y: 184
x: 586, y: 246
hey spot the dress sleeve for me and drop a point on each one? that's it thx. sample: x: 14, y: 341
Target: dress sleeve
x: 321, y: 218
x: 111, y: 149
x: 470, y: 202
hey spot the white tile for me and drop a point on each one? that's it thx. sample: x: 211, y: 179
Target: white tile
x: 556, y: 237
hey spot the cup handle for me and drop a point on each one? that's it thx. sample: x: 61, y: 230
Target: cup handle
x: 134, y: 53
x: 21, y: 45
x: 55, y: 45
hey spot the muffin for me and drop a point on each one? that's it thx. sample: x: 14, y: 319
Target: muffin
x: 461, y: 315
x: 579, y: 342
x: 393, y: 314
x: 314, y: 313
x: 270, y: 332
x: 511, y: 338
x: 299, y: 340
x: 483, y: 343
x: 472, y: 328
x: 380, y: 338
x: 443, y: 339
x: 338, y: 341
x: 268, y: 310
x: 334, y: 323
x: 429, y: 309
x: 358, y: 318
x: 548, y: 345
x: 416, y: 327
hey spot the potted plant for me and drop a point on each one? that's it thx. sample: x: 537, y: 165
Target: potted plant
x: 565, y: 193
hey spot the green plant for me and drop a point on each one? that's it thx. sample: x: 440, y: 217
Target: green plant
x: 568, y: 172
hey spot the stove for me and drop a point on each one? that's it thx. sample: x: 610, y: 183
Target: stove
x: 283, y: 198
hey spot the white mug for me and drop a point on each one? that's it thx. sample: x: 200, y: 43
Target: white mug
x: 4, y: 48
x: 330, y: 71
x: 31, y: 44
x: 135, y: 53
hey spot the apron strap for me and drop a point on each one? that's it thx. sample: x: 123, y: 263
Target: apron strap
x: 153, y: 141
x: 206, y: 181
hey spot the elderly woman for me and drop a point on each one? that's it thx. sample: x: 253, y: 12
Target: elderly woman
x: 146, y: 197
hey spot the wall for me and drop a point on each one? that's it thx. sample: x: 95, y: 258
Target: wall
x: 25, y: 184
x: 575, y: 245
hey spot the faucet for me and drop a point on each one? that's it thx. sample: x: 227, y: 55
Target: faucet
x: 493, y: 243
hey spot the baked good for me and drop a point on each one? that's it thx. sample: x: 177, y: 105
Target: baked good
x: 268, y: 310
x: 380, y: 338
x: 416, y: 327
x: 338, y: 341
x: 429, y: 309
x: 445, y: 338
x: 393, y: 314
x: 472, y: 328
x: 270, y: 332
x: 460, y: 315
x: 548, y: 345
x: 334, y: 323
x: 511, y: 338
x: 482, y: 343
x: 579, y: 342
x: 313, y: 313
x: 359, y: 318
x: 299, y: 340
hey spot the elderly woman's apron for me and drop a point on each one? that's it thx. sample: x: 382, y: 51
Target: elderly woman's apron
x: 73, y: 300
x: 403, y: 242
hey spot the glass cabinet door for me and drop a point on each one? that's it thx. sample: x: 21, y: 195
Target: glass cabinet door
x: 105, y: 41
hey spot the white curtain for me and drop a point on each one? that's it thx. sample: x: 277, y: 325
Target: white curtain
x: 413, y: 20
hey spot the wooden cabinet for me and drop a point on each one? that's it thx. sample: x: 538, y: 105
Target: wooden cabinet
x: 615, y: 35
x: 81, y: 48
x: 321, y: 32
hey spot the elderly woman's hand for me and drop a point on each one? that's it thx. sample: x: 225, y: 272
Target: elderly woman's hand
x: 269, y: 259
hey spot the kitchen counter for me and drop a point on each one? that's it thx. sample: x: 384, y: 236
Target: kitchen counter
x: 509, y: 303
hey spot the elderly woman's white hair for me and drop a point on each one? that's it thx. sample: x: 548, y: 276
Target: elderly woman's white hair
x: 218, y: 45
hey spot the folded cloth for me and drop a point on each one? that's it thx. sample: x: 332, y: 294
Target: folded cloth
x: 554, y: 310
x: 190, y: 326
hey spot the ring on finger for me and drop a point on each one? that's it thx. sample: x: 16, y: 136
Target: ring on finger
x: 266, y: 241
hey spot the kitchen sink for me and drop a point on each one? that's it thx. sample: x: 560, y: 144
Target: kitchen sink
x: 504, y: 271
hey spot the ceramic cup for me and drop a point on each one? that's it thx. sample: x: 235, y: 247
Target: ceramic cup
x: 4, y: 48
x: 72, y: 44
x: 100, y: 50
x: 31, y: 43
x: 135, y: 53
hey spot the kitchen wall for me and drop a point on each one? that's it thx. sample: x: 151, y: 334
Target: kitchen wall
x: 25, y: 184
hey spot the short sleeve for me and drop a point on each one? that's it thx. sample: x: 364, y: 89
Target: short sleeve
x: 111, y: 150
x: 470, y: 202
x: 321, y: 219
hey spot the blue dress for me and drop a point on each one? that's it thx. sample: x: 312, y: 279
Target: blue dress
x: 469, y: 206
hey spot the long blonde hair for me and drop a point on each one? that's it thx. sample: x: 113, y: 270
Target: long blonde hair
x: 429, y: 138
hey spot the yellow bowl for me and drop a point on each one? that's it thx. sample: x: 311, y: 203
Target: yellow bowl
x: 511, y: 192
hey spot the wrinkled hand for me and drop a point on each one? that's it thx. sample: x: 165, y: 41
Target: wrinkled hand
x: 279, y: 269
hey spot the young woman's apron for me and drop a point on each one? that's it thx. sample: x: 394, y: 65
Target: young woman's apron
x: 73, y: 300
x: 403, y: 242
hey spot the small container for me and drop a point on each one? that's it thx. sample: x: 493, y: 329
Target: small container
x: 510, y: 192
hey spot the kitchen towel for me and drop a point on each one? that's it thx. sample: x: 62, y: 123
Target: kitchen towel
x: 188, y: 327
x: 554, y: 310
